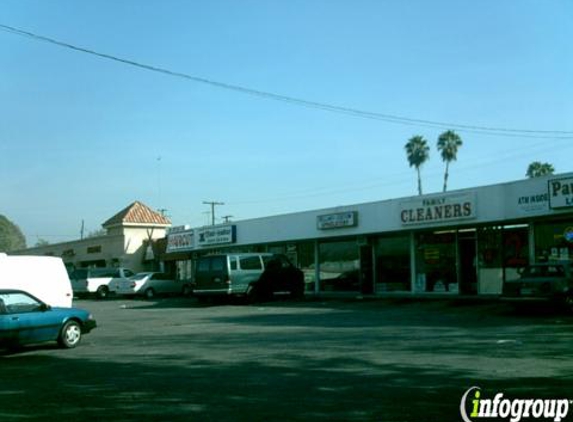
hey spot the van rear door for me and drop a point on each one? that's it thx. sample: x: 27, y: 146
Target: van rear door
x: 250, y: 269
x: 211, y: 275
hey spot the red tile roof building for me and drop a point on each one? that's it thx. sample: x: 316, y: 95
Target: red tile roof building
x: 137, y: 214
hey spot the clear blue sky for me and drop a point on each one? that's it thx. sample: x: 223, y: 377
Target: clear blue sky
x: 82, y: 137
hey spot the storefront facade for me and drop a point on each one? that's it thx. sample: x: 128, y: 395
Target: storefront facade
x: 463, y: 242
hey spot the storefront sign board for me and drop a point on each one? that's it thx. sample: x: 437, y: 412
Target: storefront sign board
x: 216, y: 235
x: 180, y: 241
x: 337, y: 221
x: 561, y: 193
x: 438, y: 209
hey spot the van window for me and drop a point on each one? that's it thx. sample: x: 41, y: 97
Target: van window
x: 218, y: 263
x: 233, y: 262
x: 251, y: 263
x: 203, y: 265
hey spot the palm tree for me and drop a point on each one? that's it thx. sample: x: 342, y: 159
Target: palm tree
x: 418, y: 153
x: 448, y: 144
x: 538, y: 169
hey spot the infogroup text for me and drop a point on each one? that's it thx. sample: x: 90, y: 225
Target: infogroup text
x: 474, y: 407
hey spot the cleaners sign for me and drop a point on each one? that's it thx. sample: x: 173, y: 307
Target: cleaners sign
x: 438, y: 209
x: 561, y: 193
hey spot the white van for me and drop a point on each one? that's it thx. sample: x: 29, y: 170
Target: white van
x: 42, y: 276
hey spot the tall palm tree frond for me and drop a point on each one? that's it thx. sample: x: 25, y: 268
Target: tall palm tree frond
x: 418, y: 152
x: 448, y: 144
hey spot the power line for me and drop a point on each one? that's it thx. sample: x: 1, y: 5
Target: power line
x: 403, y: 177
x: 389, y: 118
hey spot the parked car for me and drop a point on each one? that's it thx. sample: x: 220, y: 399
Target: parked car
x: 43, y: 276
x: 545, y: 281
x: 257, y: 276
x: 151, y: 284
x: 98, y: 282
x: 25, y: 319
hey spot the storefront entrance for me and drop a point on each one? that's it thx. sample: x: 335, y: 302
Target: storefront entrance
x: 467, y: 260
x: 446, y: 262
x: 366, y: 270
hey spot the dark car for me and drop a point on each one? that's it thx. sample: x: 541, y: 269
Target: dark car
x: 25, y: 319
x: 279, y: 277
x: 543, y: 281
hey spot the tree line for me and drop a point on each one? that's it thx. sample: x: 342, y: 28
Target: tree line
x: 418, y: 152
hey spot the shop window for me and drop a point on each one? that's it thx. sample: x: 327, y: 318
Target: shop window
x: 554, y: 242
x: 339, y: 266
x: 278, y: 249
x: 515, y: 250
x: 393, y: 264
x: 305, y: 261
x: 183, y: 269
x: 490, y: 260
x: 436, y: 263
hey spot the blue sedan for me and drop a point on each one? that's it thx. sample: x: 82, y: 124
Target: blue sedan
x: 25, y: 319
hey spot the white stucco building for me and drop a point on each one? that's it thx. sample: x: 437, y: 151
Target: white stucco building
x: 467, y: 241
x: 127, y: 242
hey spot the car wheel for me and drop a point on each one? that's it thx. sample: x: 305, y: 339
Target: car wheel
x: 149, y: 294
x: 102, y: 292
x: 70, y: 335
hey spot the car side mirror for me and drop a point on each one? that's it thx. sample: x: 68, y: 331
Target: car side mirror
x: 45, y: 307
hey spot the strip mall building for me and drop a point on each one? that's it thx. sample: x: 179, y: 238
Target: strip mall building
x: 461, y: 242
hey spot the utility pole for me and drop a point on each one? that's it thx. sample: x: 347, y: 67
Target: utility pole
x: 82, y: 231
x: 213, y: 203
x: 226, y: 218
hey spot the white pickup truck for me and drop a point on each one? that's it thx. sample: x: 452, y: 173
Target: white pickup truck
x: 98, y: 282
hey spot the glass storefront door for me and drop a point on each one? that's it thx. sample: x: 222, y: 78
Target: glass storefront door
x: 393, y: 263
x: 339, y: 266
x: 436, y: 269
x: 467, y: 250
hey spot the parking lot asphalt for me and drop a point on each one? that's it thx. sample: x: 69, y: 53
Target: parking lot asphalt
x: 316, y: 360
